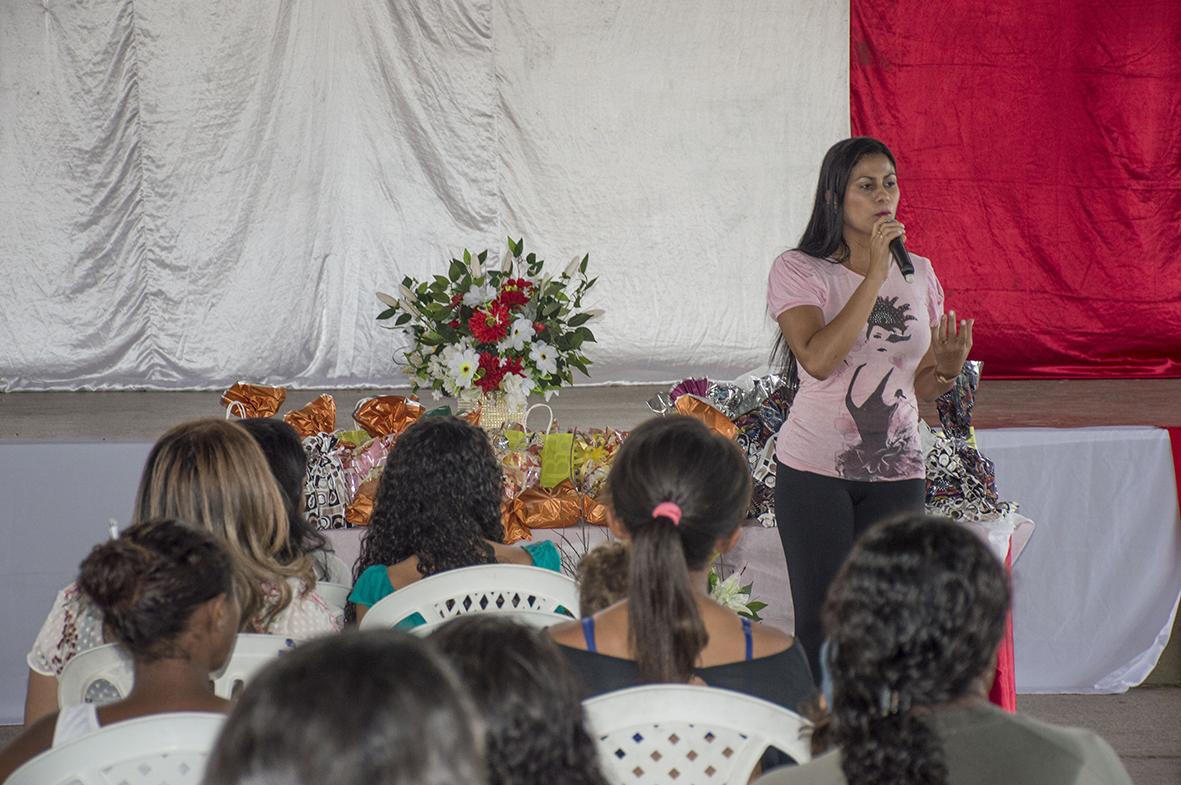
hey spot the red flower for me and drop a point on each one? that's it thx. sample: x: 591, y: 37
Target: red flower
x: 454, y: 323
x: 538, y: 327
x: 511, y: 298
x: 491, y: 325
x: 519, y: 283
x: 512, y: 365
x: 456, y: 299
x: 491, y: 372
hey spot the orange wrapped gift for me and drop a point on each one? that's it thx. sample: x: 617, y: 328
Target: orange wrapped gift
x: 360, y: 509
x: 512, y: 515
x: 319, y: 416
x: 386, y: 414
x: 692, y: 406
x: 559, y: 507
x: 253, y: 400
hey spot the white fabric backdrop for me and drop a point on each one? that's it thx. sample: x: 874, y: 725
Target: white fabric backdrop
x: 197, y: 194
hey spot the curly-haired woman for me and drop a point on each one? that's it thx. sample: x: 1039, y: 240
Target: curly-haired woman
x: 914, y: 619
x: 528, y: 697
x: 438, y: 508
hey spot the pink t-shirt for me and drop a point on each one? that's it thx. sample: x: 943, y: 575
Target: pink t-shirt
x: 861, y: 423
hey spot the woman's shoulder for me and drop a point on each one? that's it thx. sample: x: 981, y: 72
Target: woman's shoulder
x: 73, y: 625
x: 544, y: 554
x: 372, y: 584
x: 796, y: 259
x: 307, y: 615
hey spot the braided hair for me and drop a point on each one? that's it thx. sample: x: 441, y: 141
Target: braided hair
x: 439, y: 500
x: 678, y: 460
x: 913, y: 620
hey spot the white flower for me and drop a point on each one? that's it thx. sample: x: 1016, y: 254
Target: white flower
x: 570, y: 268
x: 478, y: 295
x: 519, y: 335
x: 729, y: 593
x: 506, y: 263
x: 516, y: 388
x: 409, y: 308
x: 474, y: 265
x: 405, y: 292
x: 463, y: 366
x: 593, y: 313
x: 388, y: 299
x: 543, y: 356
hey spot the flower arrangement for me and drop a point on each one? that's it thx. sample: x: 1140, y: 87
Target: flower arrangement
x: 509, y: 329
x: 729, y: 592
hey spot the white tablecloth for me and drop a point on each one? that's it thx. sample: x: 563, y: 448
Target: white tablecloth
x: 1095, y: 589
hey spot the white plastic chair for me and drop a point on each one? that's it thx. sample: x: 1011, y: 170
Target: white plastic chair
x: 335, y: 594
x: 163, y: 749
x: 485, y: 588
x: 112, y: 664
x: 677, y: 733
x: 538, y: 619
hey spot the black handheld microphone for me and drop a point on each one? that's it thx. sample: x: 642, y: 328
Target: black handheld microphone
x: 902, y: 258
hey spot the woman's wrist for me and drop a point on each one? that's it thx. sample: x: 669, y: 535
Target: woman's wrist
x: 947, y: 378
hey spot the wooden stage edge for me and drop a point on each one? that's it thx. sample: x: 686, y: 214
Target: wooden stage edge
x: 143, y: 416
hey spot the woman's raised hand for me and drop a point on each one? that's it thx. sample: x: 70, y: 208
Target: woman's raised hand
x: 951, y: 344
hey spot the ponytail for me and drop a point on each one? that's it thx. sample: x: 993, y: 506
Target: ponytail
x: 665, y: 629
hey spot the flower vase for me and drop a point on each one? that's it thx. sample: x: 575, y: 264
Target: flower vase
x: 495, y: 411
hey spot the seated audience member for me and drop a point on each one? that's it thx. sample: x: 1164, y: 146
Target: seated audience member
x: 437, y: 508
x: 209, y: 474
x: 527, y: 697
x: 602, y: 578
x: 378, y: 707
x: 677, y: 493
x: 913, y: 619
x: 284, y: 453
x: 164, y: 592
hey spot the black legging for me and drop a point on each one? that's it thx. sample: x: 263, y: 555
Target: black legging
x: 819, y: 518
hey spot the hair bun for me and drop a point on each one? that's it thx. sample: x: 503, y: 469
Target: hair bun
x: 112, y: 574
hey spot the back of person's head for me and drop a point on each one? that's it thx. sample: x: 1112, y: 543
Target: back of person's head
x: 212, y: 474
x: 602, y: 577
x: 439, y: 499
x: 152, y: 580
x: 285, y: 455
x: 913, y: 619
x: 673, y: 460
x: 376, y: 707
x: 528, y: 697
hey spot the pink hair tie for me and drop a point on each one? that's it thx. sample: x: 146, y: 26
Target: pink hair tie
x: 668, y: 510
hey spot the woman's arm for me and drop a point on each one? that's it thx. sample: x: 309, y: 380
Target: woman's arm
x: 821, y: 348
x: 40, y: 697
x: 35, y: 739
x: 950, y: 344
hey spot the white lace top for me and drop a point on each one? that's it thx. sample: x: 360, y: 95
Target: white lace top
x: 75, y: 625
x: 74, y: 722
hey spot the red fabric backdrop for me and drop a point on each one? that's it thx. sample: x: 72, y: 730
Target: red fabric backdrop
x: 1039, y: 157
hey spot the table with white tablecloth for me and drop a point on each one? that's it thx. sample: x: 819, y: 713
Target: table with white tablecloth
x: 1095, y: 589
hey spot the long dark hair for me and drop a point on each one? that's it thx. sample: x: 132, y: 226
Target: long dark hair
x: 674, y: 459
x: 913, y: 620
x: 362, y: 707
x: 529, y: 698
x: 148, y: 582
x: 284, y: 453
x: 824, y: 236
x: 439, y: 500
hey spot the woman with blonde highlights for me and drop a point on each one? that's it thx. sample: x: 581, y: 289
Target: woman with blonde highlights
x: 212, y: 475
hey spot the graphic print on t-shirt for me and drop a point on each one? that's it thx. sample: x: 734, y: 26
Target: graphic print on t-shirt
x: 881, y: 451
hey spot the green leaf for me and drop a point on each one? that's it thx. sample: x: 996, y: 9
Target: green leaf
x: 455, y: 271
x: 388, y: 312
x: 431, y: 338
x: 402, y: 319
x: 483, y: 257
x: 579, y: 318
x: 582, y: 266
x: 440, y: 282
x: 531, y: 259
x: 467, y: 256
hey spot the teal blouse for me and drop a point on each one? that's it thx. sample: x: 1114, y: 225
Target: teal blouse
x: 374, y: 582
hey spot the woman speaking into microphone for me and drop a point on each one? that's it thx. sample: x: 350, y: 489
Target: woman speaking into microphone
x: 868, y: 344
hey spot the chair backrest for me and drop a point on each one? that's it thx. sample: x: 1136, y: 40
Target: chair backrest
x: 678, y: 733
x: 105, y: 674
x: 538, y: 619
x: 486, y: 588
x: 335, y: 594
x: 251, y: 652
x: 162, y: 749
x: 100, y: 675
